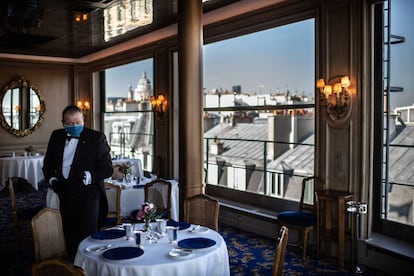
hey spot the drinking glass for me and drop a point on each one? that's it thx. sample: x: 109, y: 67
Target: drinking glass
x: 140, y: 237
x: 128, y: 230
x: 172, y: 232
x: 162, y: 226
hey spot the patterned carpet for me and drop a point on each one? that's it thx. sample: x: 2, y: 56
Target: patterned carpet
x: 253, y: 255
x: 248, y: 253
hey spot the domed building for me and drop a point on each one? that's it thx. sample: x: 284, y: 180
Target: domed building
x: 143, y: 91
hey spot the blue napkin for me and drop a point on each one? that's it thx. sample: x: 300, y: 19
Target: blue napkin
x: 181, y: 224
x: 122, y: 253
x: 108, y: 234
x: 138, y: 186
x: 196, y: 243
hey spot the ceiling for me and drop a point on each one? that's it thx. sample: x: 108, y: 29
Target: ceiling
x: 48, y: 27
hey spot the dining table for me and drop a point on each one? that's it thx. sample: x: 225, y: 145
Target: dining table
x: 199, y: 252
x: 132, y: 196
x: 26, y: 166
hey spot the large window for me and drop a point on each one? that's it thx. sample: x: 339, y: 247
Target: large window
x: 259, y: 110
x: 396, y: 193
x: 128, y: 120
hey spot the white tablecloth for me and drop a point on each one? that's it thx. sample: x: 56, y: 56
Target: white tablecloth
x: 212, y: 261
x: 28, y: 167
x: 131, y: 198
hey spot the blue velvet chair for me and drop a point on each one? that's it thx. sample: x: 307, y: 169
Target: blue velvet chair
x: 303, y: 220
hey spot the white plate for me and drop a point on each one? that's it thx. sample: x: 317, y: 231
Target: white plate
x: 179, y: 253
x: 97, y: 248
x: 198, y: 230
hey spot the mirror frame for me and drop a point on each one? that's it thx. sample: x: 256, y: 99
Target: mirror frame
x: 20, y: 82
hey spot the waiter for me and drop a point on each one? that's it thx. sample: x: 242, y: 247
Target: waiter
x: 75, y: 165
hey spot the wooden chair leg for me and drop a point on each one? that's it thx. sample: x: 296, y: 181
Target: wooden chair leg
x: 305, y: 241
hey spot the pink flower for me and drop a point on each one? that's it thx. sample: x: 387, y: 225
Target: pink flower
x: 147, y: 212
x: 140, y: 215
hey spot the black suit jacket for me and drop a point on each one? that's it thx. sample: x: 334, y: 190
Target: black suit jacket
x: 92, y: 154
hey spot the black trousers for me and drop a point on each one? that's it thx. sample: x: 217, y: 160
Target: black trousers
x: 79, y: 212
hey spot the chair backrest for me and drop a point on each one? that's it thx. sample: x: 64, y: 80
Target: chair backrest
x: 56, y: 267
x: 280, y: 253
x: 203, y: 210
x: 116, y: 173
x: 158, y: 192
x: 307, y: 198
x: 12, y: 198
x: 114, y: 211
x: 48, y: 238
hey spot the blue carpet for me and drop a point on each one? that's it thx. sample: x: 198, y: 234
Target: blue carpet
x: 16, y: 259
x: 249, y: 254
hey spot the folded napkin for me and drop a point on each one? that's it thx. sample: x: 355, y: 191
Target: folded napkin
x: 196, y: 243
x: 183, y: 225
x: 108, y: 234
x: 122, y: 253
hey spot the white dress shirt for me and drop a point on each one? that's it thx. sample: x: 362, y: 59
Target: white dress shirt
x: 68, y: 154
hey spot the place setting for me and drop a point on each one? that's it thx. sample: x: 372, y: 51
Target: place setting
x: 182, y: 225
x: 185, y: 247
x: 123, y: 253
x: 196, y: 243
x: 104, y: 236
x: 109, y: 234
x: 112, y: 252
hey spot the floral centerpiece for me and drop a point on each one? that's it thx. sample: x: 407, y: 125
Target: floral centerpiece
x: 148, y: 212
x: 125, y: 169
x: 29, y: 149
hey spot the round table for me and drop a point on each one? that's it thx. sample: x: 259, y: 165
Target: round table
x: 28, y: 167
x: 212, y: 261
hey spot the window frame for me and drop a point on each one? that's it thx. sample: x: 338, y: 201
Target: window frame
x: 380, y: 225
x: 103, y: 97
x: 256, y: 22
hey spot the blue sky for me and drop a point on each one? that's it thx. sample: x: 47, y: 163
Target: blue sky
x: 402, y: 55
x: 276, y: 59
x: 262, y: 62
x: 118, y: 79
x: 279, y: 59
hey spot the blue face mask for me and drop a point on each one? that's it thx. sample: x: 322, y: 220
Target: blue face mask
x: 74, y: 131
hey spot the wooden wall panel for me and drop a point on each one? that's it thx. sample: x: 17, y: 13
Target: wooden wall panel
x: 55, y: 84
x: 338, y: 58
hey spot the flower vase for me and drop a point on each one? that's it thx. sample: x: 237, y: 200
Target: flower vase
x: 147, y: 226
x: 127, y: 179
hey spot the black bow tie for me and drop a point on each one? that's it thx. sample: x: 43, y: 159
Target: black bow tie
x: 71, y: 137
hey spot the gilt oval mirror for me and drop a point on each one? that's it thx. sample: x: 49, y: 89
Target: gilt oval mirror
x: 22, y: 107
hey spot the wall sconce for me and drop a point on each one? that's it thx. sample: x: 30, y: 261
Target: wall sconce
x: 341, y: 89
x: 80, y: 17
x: 159, y: 104
x: 85, y: 107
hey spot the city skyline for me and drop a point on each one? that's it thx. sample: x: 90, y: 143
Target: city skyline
x: 250, y: 61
